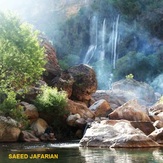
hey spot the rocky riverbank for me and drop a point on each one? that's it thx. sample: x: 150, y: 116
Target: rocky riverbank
x: 128, y: 115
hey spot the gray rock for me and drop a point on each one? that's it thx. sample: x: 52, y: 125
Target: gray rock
x: 122, y: 134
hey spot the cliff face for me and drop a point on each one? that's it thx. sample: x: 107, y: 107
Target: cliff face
x: 52, y: 67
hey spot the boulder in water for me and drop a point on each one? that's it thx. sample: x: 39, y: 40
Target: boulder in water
x: 119, y: 135
x: 9, y: 131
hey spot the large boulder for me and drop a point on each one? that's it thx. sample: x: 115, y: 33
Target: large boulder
x: 114, y: 98
x: 101, y: 108
x: 39, y: 126
x: 52, y: 67
x: 30, y: 111
x: 27, y: 136
x: 131, y: 111
x: 64, y: 82
x: 9, y: 131
x: 146, y: 127
x: 157, y: 111
x: 157, y: 135
x: 79, y: 108
x: 71, y: 119
x: 121, y: 134
x: 125, y: 90
x: 158, y: 124
x: 85, y: 83
x: 143, y: 92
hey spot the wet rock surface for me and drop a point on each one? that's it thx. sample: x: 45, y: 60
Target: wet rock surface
x: 121, y: 134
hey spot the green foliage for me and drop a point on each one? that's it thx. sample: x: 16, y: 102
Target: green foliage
x: 51, y: 100
x: 143, y: 67
x: 10, y: 107
x: 130, y: 76
x: 18, y: 114
x: 9, y: 103
x: 21, y: 57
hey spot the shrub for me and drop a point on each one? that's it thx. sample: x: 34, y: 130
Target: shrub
x: 51, y: 100
x: 130, y: 76
x: 9, y: 102
x: 9, y: 107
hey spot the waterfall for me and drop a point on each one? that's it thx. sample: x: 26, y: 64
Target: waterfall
x: 113, y: 42
x: 103, y: 34
x: 93, y: 41
x: 102, y: 49
x: 90, y: 53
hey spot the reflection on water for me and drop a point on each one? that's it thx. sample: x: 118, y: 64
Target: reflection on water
x: 72, y: 153
x: 122, y: 155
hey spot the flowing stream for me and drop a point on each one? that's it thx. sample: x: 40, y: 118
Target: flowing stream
x: 71, y: 153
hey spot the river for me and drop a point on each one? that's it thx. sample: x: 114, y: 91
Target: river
x: 72, y: 153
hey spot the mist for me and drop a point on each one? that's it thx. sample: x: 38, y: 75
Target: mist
x: 101, y: 34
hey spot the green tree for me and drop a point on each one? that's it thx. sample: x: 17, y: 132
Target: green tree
x: 22, y: 59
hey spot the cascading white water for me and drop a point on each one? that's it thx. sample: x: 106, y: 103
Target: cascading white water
x: 113, y: 42
x: 89, y: 54
x: 102, y: 52
x: 93, y: 41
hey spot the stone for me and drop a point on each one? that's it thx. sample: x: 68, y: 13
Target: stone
x: 79, y: 134
x: 80, y: 123
x: 30, y: 111
x: 85, y: 82
x: 119, y: 135
x: 72, y: 119
x: 9, y: 131
x: 101, y: 108
x: 156, y: 109
x: 146, y: 127
x: 48, y: 137
x: 160, y: 115
x: 79, y: 108
x: 115, y: 98
x: 157, y: 135
x: 126, y: 90
x: 64, y: 82
x: 154, y: 118
x: 158, y: 124
x: 39, y: 126
x: 143, y: 92
x: 52, y: 68
x: 27, y: 136
x: 130, y: 111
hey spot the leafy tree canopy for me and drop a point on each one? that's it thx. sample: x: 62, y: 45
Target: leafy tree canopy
x: 21, y: 57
